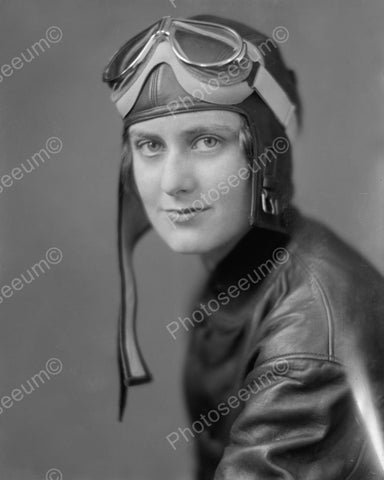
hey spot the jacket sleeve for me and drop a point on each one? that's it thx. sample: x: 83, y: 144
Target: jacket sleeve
x: 299, y: 421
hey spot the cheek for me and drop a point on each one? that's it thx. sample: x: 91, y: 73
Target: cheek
x: 235, y: 192
x: 236, y: 204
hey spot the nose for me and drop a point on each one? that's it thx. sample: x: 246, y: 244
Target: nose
x: 177, y: 174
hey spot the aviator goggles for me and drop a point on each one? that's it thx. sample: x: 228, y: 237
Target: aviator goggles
x: 201, y: 54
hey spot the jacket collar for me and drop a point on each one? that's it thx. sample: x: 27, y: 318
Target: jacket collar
x: 253, y: 250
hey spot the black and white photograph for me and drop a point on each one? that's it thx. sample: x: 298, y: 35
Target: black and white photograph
x: 192, y: 248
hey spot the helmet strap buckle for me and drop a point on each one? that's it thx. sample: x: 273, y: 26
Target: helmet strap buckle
x: 269, y: 202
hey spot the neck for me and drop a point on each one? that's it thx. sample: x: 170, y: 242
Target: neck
x: 213, y: 257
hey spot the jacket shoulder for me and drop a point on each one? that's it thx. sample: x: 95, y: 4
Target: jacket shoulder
x: 326, y: 293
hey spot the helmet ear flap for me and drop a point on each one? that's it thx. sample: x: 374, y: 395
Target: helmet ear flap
x: 267, y: 202
x: 132, y: 224
x: 249, y: 142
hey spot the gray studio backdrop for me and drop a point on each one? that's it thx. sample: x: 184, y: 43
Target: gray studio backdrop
x: 58, y: 331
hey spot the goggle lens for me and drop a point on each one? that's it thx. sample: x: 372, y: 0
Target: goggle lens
x: 128, y: 54
x: 204, y: 45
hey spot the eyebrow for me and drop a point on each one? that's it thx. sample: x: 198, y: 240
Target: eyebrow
x: 212, y: 127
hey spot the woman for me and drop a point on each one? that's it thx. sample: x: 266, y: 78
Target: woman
x: 283, y: 375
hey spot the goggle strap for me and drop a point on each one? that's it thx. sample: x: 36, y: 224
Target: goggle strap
x: 277, y: 100
x: 254, y: 53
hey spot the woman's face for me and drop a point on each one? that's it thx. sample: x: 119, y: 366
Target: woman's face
x: 183, y: 166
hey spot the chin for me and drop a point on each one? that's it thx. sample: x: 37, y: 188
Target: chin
x: 189, y: 243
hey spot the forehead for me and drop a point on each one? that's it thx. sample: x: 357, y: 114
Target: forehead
x: 184, y: 122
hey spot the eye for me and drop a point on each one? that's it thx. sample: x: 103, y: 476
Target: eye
x: 149, y: 147
x: 206, y: 143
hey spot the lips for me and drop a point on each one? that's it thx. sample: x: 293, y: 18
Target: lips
x: 184, y: 215
x: 183, y: 211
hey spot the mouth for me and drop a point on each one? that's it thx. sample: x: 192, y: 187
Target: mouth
x: 182, y: 211
x: 184, y: 214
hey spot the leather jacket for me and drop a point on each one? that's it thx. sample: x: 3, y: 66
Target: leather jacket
x: 278, y: 367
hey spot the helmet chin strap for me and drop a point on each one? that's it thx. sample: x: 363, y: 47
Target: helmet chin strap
x: 132, y: 224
